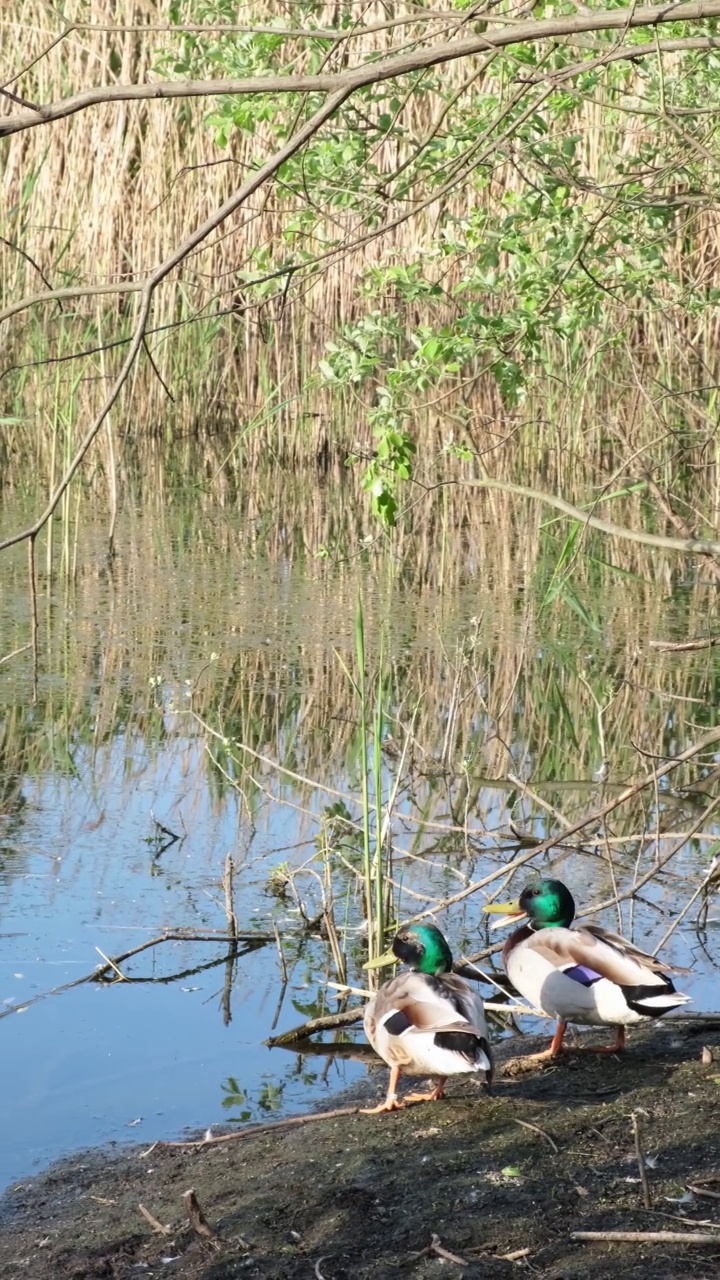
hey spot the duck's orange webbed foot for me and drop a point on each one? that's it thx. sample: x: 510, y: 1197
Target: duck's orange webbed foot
x: 554, y: 1049
x: 516, y: 1066
x: 391, y: 1103
x: 434, y: 1096
x: 617, y: 1047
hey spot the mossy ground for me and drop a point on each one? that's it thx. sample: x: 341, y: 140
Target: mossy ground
x: 361, y: 1196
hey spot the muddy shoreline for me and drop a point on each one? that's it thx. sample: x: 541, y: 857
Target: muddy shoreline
x: 501, y: 1183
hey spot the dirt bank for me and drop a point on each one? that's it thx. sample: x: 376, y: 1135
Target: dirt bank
x: 361, y: 1196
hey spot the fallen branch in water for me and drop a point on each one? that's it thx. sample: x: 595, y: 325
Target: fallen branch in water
x: 326, y: 1023
x: 251, y: 940
x: 180, y: 935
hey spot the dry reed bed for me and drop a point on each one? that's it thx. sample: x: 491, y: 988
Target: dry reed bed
x: 105, y: 195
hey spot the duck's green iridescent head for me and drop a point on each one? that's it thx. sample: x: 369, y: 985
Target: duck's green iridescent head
x: 548, y: 903
x: 424, y: 948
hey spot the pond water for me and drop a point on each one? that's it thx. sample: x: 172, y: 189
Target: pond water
x: 149, y: 675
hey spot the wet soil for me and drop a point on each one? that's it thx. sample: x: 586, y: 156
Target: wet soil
x: 551, y: 1152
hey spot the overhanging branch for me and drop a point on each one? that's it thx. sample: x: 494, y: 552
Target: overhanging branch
x: 369, y: 72
x: 687, y: 546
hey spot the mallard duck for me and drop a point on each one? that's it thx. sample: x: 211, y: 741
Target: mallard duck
x: 587, y: 974
x: 428, y: 1021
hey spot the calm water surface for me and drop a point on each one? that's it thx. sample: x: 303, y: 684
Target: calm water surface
x: 107, y: 747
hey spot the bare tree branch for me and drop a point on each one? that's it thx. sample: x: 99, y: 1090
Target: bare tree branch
x: 688, y: 546
x: 628, y: 53
x: 72, y: 291
x: 368, y: 72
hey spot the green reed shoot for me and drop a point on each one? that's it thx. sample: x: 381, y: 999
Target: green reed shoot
x: 370, y: 724
x: 361, y: 690
x: 378, y: 721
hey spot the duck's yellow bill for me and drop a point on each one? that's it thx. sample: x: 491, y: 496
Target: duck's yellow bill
x: 510, y: 912
x: 381, y: 962
x: 504, y: 908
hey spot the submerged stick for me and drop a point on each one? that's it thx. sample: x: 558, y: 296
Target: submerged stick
x: 181, y: 935
x: 227, y: 884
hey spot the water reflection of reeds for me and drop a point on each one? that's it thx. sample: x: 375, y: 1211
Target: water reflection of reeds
x: 198, y: 623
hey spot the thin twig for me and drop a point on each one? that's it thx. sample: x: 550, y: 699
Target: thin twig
x: 673, y: 926
x: 171, y: 835
x: 536, y: 1129
x: 15, y: 653
x: 687, y: 546
x: 702, y: 1191
x: 32, y: 583
x: 437, y: 1249
x: 252, y: 1130
x: 657, y: 866
x: 250, y: 939
x: 641, y: 1162
x: 538, y: 800
x: 156, y: 1226
x: 294, y: 144
x: 647, y: 1237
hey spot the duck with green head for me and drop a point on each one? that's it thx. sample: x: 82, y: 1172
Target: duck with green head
x: 426, y: 1021
x: 585, y: 975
